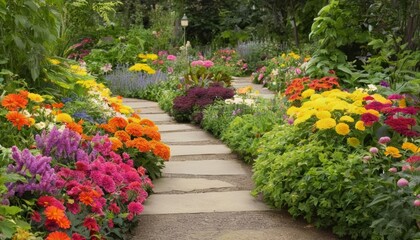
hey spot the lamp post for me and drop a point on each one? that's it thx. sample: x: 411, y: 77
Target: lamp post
x: 184, y: 24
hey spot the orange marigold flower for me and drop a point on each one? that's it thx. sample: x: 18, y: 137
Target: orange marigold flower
x: 13, y: 102
x: 123, y: 136
x: 140, y: 143
x: 118, y: 122
x: 116, y: 143
x: 58, y: 105
x: 147, y: 122
x: 86, y: 197
x: 58, y: 236
x: 17, y: 119
x: 63, y: 223
x: 152, y: 133
x: 135, y: 115
x: 134, y: 129
x: 76, y: 127
x: 54, y: 213
x: 24, y: 93
x: 108, y: 128
x: 162, y: 150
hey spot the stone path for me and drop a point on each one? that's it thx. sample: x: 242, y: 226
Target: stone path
x: 205, y: 190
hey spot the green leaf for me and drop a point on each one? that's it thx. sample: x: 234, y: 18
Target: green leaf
x: 379, y: 199
x: 11, y: 210
x: 7, y: 228
x: 18, y: 41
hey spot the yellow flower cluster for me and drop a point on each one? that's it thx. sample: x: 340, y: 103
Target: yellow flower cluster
x: 291, y: 54
x: 142, y: 67
x: 334, y: 109
x: 411, y: 146
x: 53, y: 61
x: 149, y: 56
x: 78, y: 70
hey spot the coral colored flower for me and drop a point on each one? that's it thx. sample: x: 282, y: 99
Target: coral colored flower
x: 147, y: 122
x: 35, y: 97
x: 410, y: 146
x: 140, y: 143
x: 354, y: 142
x: 123, y: 136
x: 91, y: 224
x: 161, y: 150
x: 134, y: 129
x: 116, y: 143
x: 118, y: 122
x: 63, y: 223
x: 13, y: 102
x: 63, y: 117
x: 58, y: 236
x: 54, y: 213
x: 135, y: 208
x: 17, y: 119
x: 342, y: 129
x: 360, y: 125
x: 393, y: 152
x: 325, y: 123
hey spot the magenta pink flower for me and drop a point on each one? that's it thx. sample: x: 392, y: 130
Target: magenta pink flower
x: 135, y: 208
x: 416, y: 203
x: 171, y: 57
x: 384, y: 140
x: 393, y: 170
x: 208, y: 63
x: 298, y: 71
x: 402, y: 182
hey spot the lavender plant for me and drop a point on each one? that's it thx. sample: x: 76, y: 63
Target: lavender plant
x: 126, y: 83
x: 61, y: 145
x: 39, y: 176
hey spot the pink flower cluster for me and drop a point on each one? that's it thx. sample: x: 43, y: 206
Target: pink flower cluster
x: 204, y: 63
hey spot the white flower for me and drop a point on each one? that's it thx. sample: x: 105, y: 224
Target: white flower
x: 249, y: 102
x: 26, y: 113
x: 40, y: 125
x: 372, y: 88
x: 275, y: 72
x: 229, y: 101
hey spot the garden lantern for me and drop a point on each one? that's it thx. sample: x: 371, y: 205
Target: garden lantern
x: 184, y: 24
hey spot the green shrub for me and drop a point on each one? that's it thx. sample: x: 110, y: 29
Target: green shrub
x: 219, y: 115
x: 167, y: 98
x: 328, y: 184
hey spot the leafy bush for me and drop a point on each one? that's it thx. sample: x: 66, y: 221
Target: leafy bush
x: 244, y: 132
x: 218, y: 116
x: 189, y: 107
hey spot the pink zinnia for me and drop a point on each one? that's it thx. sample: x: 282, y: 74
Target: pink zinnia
x: 402, y: 182
x: 395, y: 97
x: 91, y: 224
x: 135, y: 208
x: 298, y: 71
x: 208, y: 63
x: 393, y: 170
x: 373, y: 150
x: 171, y: 57
x: 384, y: 140
x: 416, y: 203
x: 114, y: 208
x: 413, y: 159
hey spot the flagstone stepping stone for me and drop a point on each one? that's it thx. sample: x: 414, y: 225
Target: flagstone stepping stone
x: 176, y: 127
x: 179, y: 150
x: 235, y: 201
x: 187, y: 184
x: 159, y: 117
x: 204, y: 167
x: 141, y: 105
x: 152, y: 110
x: 196, y: 136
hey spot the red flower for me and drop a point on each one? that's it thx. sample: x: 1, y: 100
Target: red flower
x: 77, y: 236
x: 114, y: 208
x: 91, y: 224
x: 369, y: 119
x: 46, y: 201
x: 110, y: 223
x: 36, y: 217
x: 403, y: 126
x: 378, y: 106
x: 413, y: 159
x: 135, y: 208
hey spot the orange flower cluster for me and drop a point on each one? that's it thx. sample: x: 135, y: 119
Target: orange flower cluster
x: 138, y: 133
x: 58, y: 216
x: 58, y: 236
x: 14, y: 102
x: 17, y: 119
x: 298, y: 85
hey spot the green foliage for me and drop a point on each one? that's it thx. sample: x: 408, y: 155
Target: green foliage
x: 328, y: 185
x: 244, y: 133
x: 28, y: 27
x: 154, y: 92
x: 166, y: 101
x: 218, y: 116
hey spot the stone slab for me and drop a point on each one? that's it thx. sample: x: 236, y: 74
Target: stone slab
x: 176, y: 127
x: 152, y: 110
x: 140, y: 105
x: 182, y: 150
x: 187, y: 184
x: 236, y: 201
x: 180, y: 137
x: 159, y: 117
x: 204, y: 167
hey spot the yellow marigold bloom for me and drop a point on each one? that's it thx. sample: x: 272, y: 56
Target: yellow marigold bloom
x: 360, y: 125
x: 31, y: 121
x: 307, y: 93
x: 244, y: 90
x: 402, y: 103
x: 63, y: 117
x: 346, y: 119
x: 342, y: 129
x: 283, y: 55
x: 35, y: 97
x: 78, y: 70
x: 354, y: 142
x: 380, y: 98
x: 393, y: 152
x: 53, y: 61
x: 142, y: 55
x: 302, y: 119
x: 323, y: 114
x: 316, y: 96
x: 152, y: 56
x: 292, y: 111
x: 142, y: 67
x: 372, y: 111
x: 410, y: 146
x: 22, y: 234
x: 325, y: 123
x: 125, y: 109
